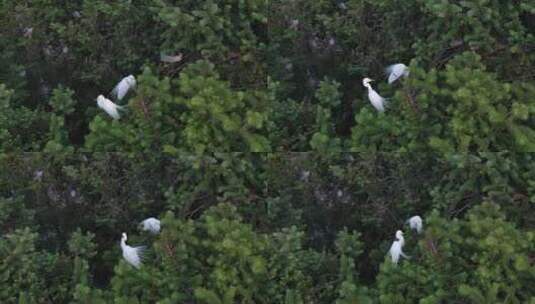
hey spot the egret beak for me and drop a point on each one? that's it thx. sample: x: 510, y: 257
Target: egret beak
x: 372, y: 80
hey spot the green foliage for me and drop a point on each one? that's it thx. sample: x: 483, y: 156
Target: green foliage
x: 218, y: 257
x: 197, y: 113
x: 18, y: 269
x: 31, y: 275
x: 473, y: 90
x: 150, y: 120
x: 497, y: 177
x: 266, y: 228
x: 462, y: 108
x: 328, y: 98
x: 212, y: 27
x: 236, y: 119
x: 246, y: 82
x: 261, y: 76
x: 63, y: 105
x: 482, y: 258
x: 349, y: 248
x: 13, y: 213
x: 20, y: 128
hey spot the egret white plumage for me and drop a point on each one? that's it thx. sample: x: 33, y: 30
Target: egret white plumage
x: 38, y: 175
x: 395, y: 71
x: 396, y: 250
x: 28, y: 32
x: 109, y: 107
x: 416, y: 223
x: 376, y: 100
x: 132, y: 255
x: 341, y: 4
x: 170, y: 59
x: 151, y: 225
x: 125, y: 85
x: 294, y: 24
x: 305, y: 174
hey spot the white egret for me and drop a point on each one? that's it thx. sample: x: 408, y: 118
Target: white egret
x: 294, y: 24
x: 376, y: 100
x: 395, y: 71
x: 305, y: 174
x: 125, y: 85
x: 416, y: 223
x: 28, y: 32
x: 151, y: 225
x: 38, y: 175
x: 132, y: 255
x: 170, y: 59
x: 332, y: 42
x: 396, y: 250
x: 341, y: 4
x: 109, y: 107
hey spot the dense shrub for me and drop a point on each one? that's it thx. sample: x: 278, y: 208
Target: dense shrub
x: 268, y: 228
x: 280, y: 77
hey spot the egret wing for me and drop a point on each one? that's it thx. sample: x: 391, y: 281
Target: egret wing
x: 121, y: 89
x: 109, y: 107
x: 394, y: 72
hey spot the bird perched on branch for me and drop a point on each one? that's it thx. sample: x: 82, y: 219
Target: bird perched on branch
x: 170, y: 59
x: 126, y: 84
x: 416, y: 223
x: 396, y: 250
x: 395, y: 71
x: 151, y: 225
x: 133, y: 255
x: 376, y: 100
x: 109, y: 107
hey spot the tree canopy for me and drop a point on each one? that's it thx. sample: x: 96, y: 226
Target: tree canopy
x: 250, y: 136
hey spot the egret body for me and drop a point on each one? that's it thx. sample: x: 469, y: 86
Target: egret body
x: 376, y: 100
x: 151, y: 225
x: 395, y: 71
x: 125, y: 85
x: 109, y: 107
x: 396, y: 250
x: 416, y: 223
x: 131, y: 254
x: 170, y: 59
x: 28, y: 32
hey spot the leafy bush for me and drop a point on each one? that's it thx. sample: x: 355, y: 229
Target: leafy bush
x: 288, y: 226
x: 482, y: 258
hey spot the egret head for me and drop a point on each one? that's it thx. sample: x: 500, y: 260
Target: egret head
x: 124, y: 238
x: 404, y: 69
x: 100, y: 97
x: 131, y: 80
x: 366, y: 81
x: 399, y: 234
